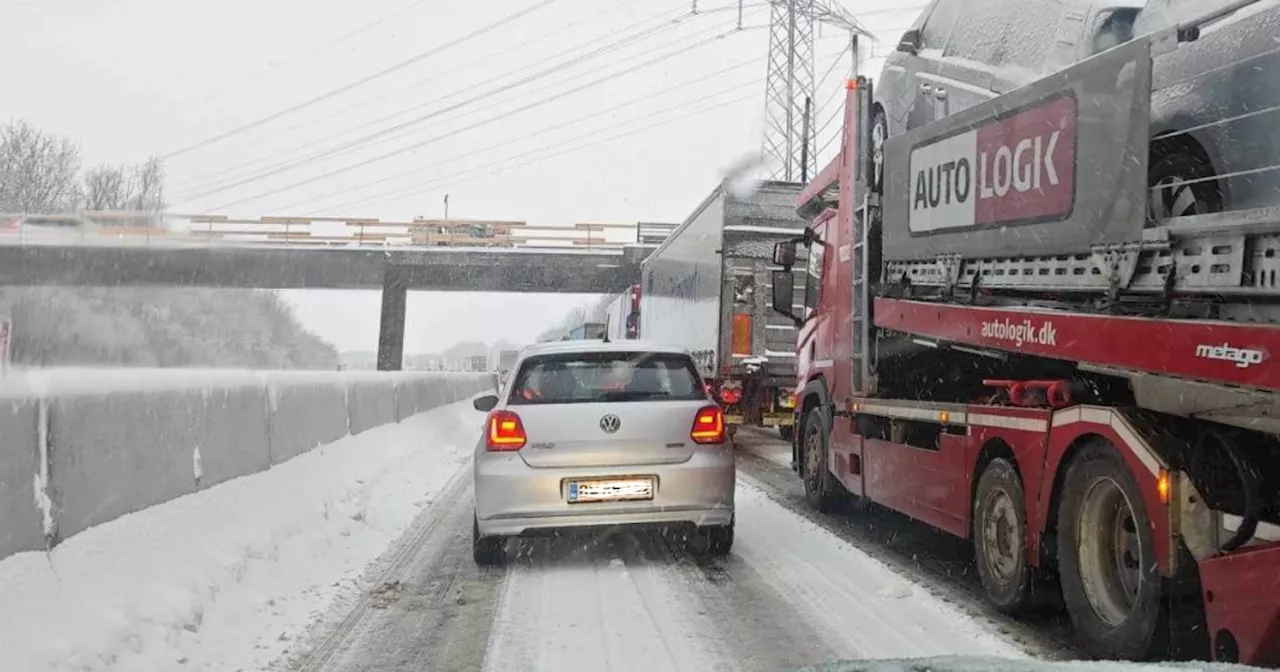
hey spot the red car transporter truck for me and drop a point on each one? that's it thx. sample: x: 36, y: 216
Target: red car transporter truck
x: 1001, y: 345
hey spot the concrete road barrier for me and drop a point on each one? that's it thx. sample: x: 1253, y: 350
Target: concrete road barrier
x: 79, y: 448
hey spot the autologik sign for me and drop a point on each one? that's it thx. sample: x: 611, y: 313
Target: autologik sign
x: 1017, y: 169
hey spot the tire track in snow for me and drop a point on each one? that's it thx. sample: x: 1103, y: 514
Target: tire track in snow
x: 428, y: 606
x: 936, y: 561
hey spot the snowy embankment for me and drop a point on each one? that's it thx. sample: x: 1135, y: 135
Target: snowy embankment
x: 226, y: 578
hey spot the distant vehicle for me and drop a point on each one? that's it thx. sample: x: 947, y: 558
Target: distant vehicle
x: 705, y: 290
x: 506, y: 360
x: 591, y: 331
x: 49, y: 228
x: 479, y: 363
x: 583, y: 436
x: 622, y: 318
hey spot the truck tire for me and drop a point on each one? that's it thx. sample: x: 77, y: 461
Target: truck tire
x: 821, y: 490
x: 1000, y: 537
x: 487, y: 551
x: 787, y: 432
x: 1106, y: 558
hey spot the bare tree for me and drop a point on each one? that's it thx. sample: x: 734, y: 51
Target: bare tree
x: 139, y: 188
x: 105, y: 188
x: 37, y: 171
x: 148, y: 186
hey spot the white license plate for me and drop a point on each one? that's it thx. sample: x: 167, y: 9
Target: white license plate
x: 611, y: 490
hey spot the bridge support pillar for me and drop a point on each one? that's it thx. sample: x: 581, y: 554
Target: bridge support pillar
x: 395, y: 295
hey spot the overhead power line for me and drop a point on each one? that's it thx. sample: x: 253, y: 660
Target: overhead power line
x: 631, y: 102
x: 488, y: 169
x: 356, y: 143
x: 362, y: 81
x: 523, y: 108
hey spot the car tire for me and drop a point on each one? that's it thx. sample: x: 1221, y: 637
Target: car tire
x: 487, y: 551
x: 1171, y: 166
x: 821, y: 490
x: 1000, y: 537
x: 716, y: 540
x: 1102, y: 524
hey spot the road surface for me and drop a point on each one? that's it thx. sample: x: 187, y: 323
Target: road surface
x: 797, y: 589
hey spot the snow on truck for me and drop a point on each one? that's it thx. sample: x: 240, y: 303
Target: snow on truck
x: 706, y: 288
x: 1002, y: 345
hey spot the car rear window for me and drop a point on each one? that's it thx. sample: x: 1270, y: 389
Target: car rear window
x: 594, y: 377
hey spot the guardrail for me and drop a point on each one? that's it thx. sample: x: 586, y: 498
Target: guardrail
x: 204, y: 229
x: 83, y: 447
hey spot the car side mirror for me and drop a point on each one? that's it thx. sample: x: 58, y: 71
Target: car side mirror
x: 784, y: 294
x: 486, y: 403
x: 784, y: 253
x: 910, y: 42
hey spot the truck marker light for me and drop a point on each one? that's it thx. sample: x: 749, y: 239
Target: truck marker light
x: 1163, y: 486
x: 944, y: 416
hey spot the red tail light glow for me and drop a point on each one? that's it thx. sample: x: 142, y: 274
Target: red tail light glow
x: 708, y: 425
x: 505, y: 432
x: 731, y: 395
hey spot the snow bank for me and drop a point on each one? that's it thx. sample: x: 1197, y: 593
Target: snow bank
x: 227, y: 578
x: 85, y: 446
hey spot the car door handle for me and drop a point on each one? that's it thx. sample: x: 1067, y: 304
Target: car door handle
x: 940, y: 93
x: 925, y: 88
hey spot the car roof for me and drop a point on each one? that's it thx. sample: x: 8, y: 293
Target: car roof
x: 568, y: 347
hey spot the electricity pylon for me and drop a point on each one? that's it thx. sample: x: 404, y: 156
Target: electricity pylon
x: 788, y: 136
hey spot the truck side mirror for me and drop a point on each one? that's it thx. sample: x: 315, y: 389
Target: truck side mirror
x: 784, y: 254
x: 784, y: 294
x: 910, y: 42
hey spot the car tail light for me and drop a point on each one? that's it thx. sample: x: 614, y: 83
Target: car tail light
x: 708, y: 425
x: 505, y: 431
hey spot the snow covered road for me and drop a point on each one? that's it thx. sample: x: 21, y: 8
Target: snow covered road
x: 356, y: 557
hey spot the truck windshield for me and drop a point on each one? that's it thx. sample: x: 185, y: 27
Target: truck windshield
x: 594, y: 377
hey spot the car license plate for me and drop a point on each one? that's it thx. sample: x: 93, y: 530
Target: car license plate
x: 610, y: 490
x: 733, y: 419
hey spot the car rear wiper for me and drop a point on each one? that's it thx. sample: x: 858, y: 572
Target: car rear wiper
x: 632, y: 395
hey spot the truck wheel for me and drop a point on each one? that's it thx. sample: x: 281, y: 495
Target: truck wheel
x: 1000, y: 537
x: 787, y: 432
x: 487, y: 550
x: 1106, y: 558
x: 820, y: 488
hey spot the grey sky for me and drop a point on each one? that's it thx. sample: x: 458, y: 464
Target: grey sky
x: 130, y: 78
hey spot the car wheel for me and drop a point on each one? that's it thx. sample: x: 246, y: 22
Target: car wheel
x: 879, y: 133
x: 1106, y: 558
x: 821, y: 490
x: 1000, y: 537
x: 487, y: 550
x: 1179, y: 184
x: 716, y: 539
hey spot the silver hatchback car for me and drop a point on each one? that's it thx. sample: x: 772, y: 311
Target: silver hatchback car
x: 590, y: 434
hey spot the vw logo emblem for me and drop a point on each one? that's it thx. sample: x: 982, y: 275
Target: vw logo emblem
x: 610, y: 423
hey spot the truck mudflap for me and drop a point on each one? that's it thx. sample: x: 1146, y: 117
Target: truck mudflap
x: 1241, y: 592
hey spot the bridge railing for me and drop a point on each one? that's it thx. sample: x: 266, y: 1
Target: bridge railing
x: 133, y: 228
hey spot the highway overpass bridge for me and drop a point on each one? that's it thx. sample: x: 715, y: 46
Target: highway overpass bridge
x: 143, y: 249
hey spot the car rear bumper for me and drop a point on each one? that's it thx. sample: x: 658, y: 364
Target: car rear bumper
x: 513, y: 498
